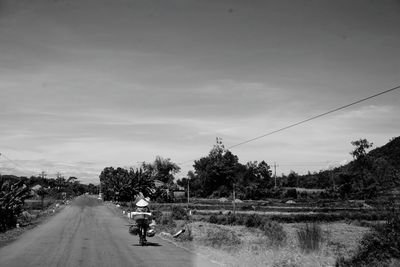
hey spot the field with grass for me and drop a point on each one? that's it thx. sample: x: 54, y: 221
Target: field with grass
x: 244, y: 246
x: 287, y: 237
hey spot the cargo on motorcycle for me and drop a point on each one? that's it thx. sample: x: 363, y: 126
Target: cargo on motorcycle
x: 144, y: 222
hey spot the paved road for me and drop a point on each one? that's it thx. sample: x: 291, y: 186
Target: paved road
x: 87, y: 233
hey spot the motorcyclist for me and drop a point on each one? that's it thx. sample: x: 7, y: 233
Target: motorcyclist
x: 142, y: 206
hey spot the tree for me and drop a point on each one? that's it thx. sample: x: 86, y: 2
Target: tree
x: 256, y: 179
x: 123, y: 185
x: 362, y: 163
x: 162, y: 169
x: 217, y: 172
x: 12, y: 196
x: 293, y: 179
x: 360, y: 150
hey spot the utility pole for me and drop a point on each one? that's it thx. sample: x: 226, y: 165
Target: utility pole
x: 234, y: 201
x: 188, y: 192
x: 43, y: 174
x: 275, y: 172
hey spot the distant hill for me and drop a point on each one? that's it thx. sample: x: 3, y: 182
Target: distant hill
x: 379, y: 175
x: 390, y: 152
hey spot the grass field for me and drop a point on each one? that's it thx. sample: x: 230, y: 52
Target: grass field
x: 242, y: 246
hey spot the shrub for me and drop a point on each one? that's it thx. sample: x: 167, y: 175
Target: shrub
x: 275, y: 233
x: 213, y: 219
x: 310, y: 237
x: 254, y: 220
x: 12, y: 195
x: 179, y: 213
x: 379, y: 247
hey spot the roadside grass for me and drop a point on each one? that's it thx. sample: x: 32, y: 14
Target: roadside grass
x: 258, y: 241
x: 235, y: 245
x: 310, y: 237
x: 221, y: 238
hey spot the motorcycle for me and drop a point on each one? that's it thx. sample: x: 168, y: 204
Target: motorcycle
x: 142, y: 226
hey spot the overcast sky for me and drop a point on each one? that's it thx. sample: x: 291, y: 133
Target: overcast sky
x: 86, y: 84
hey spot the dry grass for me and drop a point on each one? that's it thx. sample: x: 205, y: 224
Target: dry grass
x: 310, y: 237
x: 255, y: 249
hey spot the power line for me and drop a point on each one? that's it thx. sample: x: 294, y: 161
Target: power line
x: 306, y: 120
x: 16, y: 163
x: 12, y: 161
x: 314, y: 117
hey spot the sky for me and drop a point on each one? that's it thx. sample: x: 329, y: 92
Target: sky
x: 87, y: 84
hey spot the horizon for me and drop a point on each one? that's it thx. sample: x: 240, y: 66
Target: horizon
x: 93, y: 84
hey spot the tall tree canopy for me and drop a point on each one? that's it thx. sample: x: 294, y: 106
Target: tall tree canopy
x: 162, y: 169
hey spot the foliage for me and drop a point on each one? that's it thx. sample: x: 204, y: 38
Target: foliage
x: 213, y: 219
x: 12, y: 195
x: 179, y: 213
x: 291, y: 193
x: 161, y: 169
x: 219, y: 173
x: 310, y: 237
x: 254, y: 220
x: 380, y: 246
x: 125, y: 185
x: 218, y: 169
x: 360, y: 149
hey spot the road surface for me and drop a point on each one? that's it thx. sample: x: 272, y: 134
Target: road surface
x: 88, y: 233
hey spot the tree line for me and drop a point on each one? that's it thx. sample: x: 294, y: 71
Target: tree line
x: 14, y: 190
x: 155, y: 180
x: 220, y: 174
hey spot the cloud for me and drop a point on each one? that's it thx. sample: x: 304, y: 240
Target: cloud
x: 92, y: 81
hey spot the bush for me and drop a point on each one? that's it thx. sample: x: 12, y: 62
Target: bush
x: 12, y: 195
x: 213, y: 219
x: 379, y: 247
x: 275, y: 233
x: 254, y: 220
x: 179, y: 213
x: 310, y: 237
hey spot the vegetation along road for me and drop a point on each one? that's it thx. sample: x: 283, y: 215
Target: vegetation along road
x: 88, y: 233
